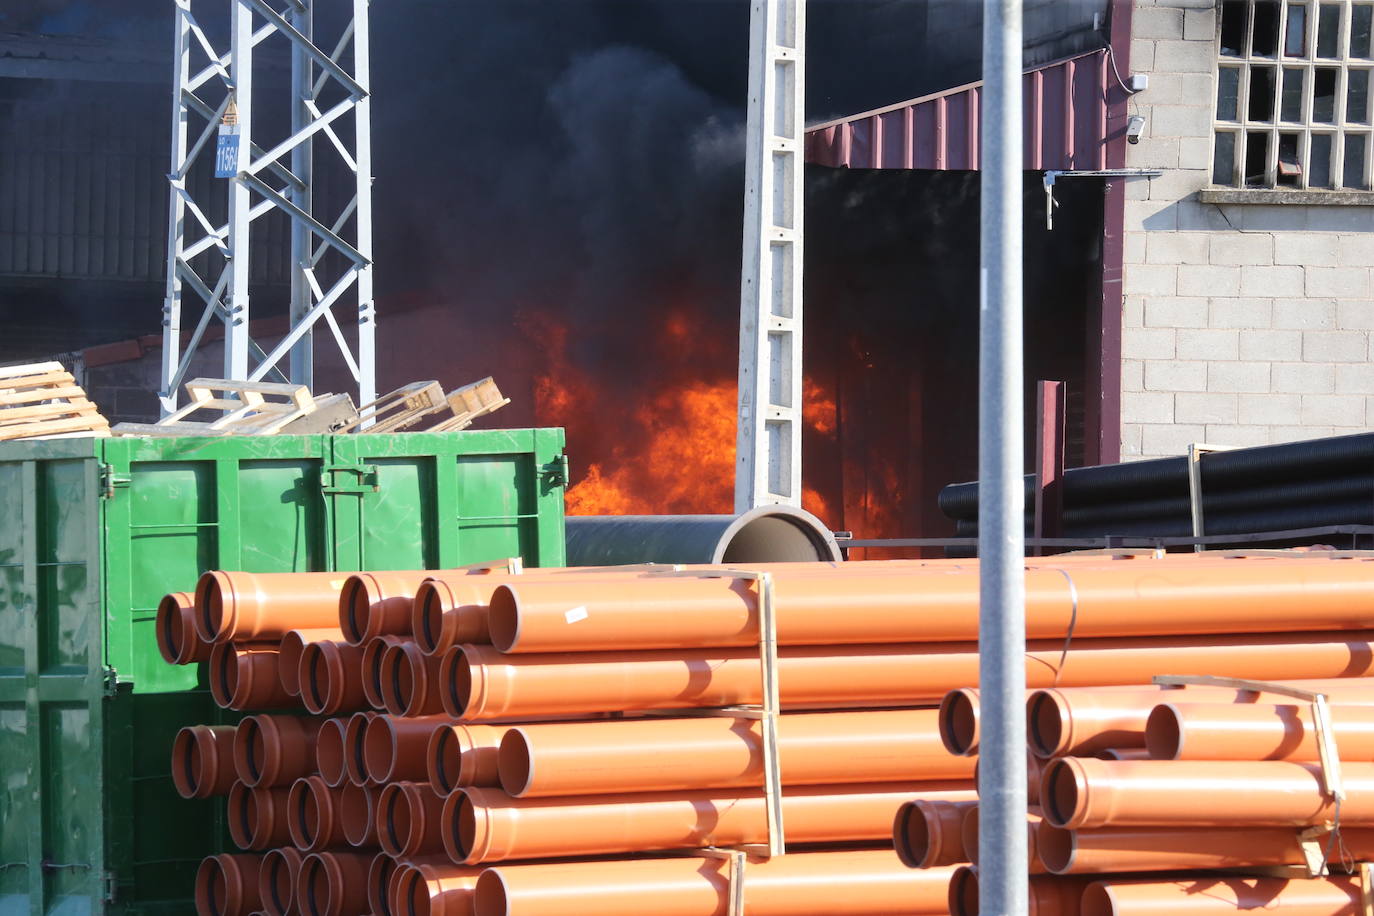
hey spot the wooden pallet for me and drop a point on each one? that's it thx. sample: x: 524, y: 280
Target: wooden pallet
x: 470, y: 402
x: 398, y: 409
x: 43, y: 401
x: 247, y: 409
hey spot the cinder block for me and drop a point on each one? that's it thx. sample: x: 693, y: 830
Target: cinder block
x: 1259, y: 409
x: 1133, y: 248
x: 1192, y: 215
x: 1300, y: 433
x: 1238, y: 376
x: 1151, y: 215
x: 1147, y: 343
x: 1271, y: 281
x: 1132, y: 375
x: 1175, y: 375
x: 1174, y: 185
x: 1199, y: 25
x: 1240, y: 313
x: 1303, y: 378
x: 1211, y: 344
x: 1195, y: 152
x: 1130, y: 440
x: 1242, y: 248
x: 1207, y: 280
x: 1335, y: 346
x: 1179, y: 120
x: 1355, y: 378
x: 1337, y: 219
x: 1340, y: 282
x: 1196, y: 407
x: 1132, y: 312
x: 1142, y: 55
x: 1305, y: 314
x: 1160, y: 440
x: 1150, y: 153
x: 1271, y: 345
x: 1147, y: 407
x: 1150, y: 280
x: 1184, y: 56
x: 1177, y: 247
x: 1355, y: 314
x: 1333, y: 410
x: 1176, y: 312
x: 1237, y: 435
x: 1305, y: 249
x: 1270, y: 217
x: 1356, y: 250
x: 1157, y: 22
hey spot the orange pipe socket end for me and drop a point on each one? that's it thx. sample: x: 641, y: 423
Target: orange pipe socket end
x: 930, y: 833
x: 203, y: 760
x: 333, y: 883
x: 464, y: 755
x: 372, y: 604
x: 408, y: 681
x: 243, y: 606
x: 277, y: 880
x: 446, y: 613
x: 393, y: 747
x: 227, y: 885
x: 292, y: 644
x: 246, y: 676
x: 436, y: 888
x: 409, y: 819
x: 257, y: 817
x: 275, y: 750
x: 177, y: 639
x: 331, y: 678
x: 315, y: 817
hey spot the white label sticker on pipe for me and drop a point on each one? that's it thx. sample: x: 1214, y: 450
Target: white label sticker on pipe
x: 575, y: 614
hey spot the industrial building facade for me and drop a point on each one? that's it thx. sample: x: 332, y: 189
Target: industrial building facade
x: 1248, y: 295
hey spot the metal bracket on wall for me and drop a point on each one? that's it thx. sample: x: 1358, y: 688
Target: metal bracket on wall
x: 557, y: 472
x: 1053, y: 175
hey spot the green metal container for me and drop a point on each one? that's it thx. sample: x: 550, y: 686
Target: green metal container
x: 94, y: 531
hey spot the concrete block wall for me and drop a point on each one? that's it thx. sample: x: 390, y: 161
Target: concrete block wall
x: 1243, y: 324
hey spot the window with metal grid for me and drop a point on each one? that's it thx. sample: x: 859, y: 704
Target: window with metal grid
x: 1293, y: 94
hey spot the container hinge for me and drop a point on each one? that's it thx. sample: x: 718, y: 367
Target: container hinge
x: 110, y: 681
x: 557, y: 472
x: 109, y: 480
x: 111, y: 887
x: 367, y: 481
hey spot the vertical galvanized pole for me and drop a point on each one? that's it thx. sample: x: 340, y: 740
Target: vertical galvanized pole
x: 768, y: 441
x: 362, y: 120
x: 176, y: 211
x: 1002, y: 881
x: 302, y: 366
x: 241, y: 73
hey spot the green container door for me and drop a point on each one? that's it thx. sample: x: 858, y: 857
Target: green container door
x: 51, y: 686
x: 94, y: 532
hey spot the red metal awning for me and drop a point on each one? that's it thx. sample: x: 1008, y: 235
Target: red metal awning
x: 1065, y: 105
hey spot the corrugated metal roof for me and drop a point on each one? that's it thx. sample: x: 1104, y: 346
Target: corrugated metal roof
x: 1065, y: 106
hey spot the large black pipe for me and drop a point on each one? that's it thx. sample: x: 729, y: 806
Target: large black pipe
x: 768, y: 534
x: 1338, y: 456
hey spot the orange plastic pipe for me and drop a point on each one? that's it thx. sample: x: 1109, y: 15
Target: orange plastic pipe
x: 1084, y: 792
x: 314, y: 816
x: 277, y: 880
x: 203, y: 760
x: 378, y: 603
x: 1260, y: 731
x: 464, y: 755
x: 669, y: 755
x: 485, y: 825
x: 958, y: 721
x: 372, y: 668
x: 355, y: 748
x: 930, y: 833
x: 969, y: 837
x: 1047, y: 895
x: 245, y: 676
x: 293, y: 643
x: 449, y: 611
x: 1207, y: 895
x: 331, y: 678
x: 244, y: 606
x: 329, y: 751
x: 1126, y: 849
x: 227, y: 885
x: 393, y: 747
x: 388, y: 882
x: 849, y: 883
x: 379, y: 873
x: 409, y: 819
x: 333, y: 883
x: 426, y: 889
x: 177, y: 639
x: 258, y: 817
x: 409, y: 681
x: 481, y: 683
x: 1103, y: 601
x: 275, y: 750
x: 358, y: 814
x: 1081, y: 721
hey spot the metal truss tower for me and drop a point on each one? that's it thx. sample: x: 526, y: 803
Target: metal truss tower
x: 213, y: 128
x: 768, y: 445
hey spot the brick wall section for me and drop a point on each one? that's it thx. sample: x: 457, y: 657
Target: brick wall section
x: 1243, y: 324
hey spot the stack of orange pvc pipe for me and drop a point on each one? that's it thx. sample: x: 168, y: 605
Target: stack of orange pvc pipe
x: 1148, y: 800
x: 517, y: 744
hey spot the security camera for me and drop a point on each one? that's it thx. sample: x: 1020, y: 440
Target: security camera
x: 1134, y: 128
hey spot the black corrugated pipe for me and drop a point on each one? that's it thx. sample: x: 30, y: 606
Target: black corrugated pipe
x: 768, y: 534
x: 1337, y: 456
